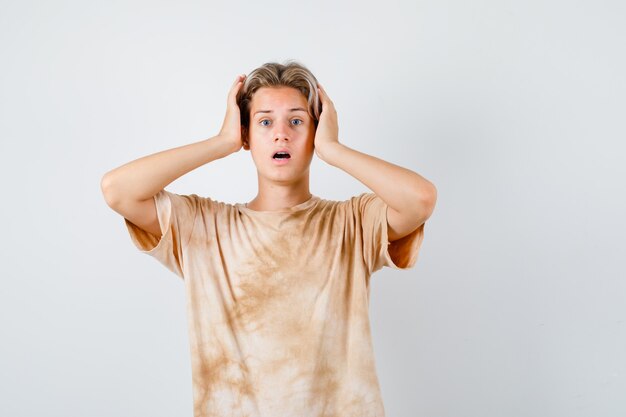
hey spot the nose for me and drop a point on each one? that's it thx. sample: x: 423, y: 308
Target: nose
x: 281, y: 132
x: 278, y: 138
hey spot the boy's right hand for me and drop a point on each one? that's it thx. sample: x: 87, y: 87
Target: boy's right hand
x: 231, y: 128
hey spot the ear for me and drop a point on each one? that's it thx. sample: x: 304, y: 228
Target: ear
x: 244, y: 138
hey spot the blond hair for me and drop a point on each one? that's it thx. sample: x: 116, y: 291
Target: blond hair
x: 273, y: 74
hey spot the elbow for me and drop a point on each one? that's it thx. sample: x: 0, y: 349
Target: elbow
x: 106, y: 187
x: 426, y: 193
x: 432, y: 195
x: 427, y: 200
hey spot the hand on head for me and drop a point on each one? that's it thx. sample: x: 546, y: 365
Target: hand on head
x: 231, y: 128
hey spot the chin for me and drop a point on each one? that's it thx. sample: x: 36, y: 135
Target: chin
x: 280, y: 174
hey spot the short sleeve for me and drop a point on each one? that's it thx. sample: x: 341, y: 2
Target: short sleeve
x: 377, y: 250
x: 176, y: 214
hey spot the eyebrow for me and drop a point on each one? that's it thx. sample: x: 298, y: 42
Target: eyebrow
x: 270, y: 111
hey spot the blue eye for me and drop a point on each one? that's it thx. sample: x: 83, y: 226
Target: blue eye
x: 294, y: 120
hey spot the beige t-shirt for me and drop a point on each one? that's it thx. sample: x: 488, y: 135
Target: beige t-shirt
x: 277, y: 302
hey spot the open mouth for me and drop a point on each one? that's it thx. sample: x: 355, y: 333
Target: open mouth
x: 281, y: 155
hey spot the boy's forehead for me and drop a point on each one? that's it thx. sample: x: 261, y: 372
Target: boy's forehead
x: 268, y: 98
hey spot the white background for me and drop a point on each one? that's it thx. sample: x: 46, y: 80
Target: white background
x: 514, y: 110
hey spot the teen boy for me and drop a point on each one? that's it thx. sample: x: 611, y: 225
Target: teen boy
x: 277, y: 288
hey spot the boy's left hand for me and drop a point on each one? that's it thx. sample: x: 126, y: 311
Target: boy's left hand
x: 327, y: 133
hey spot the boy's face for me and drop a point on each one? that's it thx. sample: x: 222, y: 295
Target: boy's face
x: 279, y: 120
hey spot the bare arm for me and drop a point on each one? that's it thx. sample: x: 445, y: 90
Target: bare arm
x: 130, y: 188
x: 142, y: 178
x: 410, y: 197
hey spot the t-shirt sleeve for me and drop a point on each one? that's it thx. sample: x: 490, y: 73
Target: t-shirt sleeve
x: 377, y: 250
x: 176, y: 214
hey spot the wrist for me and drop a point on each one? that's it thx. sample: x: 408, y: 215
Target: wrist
x: 224, y: 145
x: 229, y: 144
x: 328, y: 152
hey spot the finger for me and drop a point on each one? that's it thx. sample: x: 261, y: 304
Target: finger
x: 322, y: 93
x: 236, y: 86
x: 239, y: 84
x: 240, y: 78
x: 324, y: 97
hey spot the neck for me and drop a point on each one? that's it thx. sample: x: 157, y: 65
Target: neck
x: 276, y: 196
